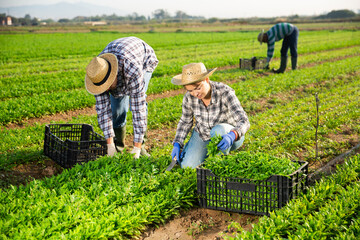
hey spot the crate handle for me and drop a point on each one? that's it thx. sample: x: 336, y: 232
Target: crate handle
x: 249, y: 187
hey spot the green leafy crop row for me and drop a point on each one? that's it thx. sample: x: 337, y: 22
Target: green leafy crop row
x: 65, y: 69
x: 181, y: 45
x: 107, y: 198
x: 329, y: 210
x: 290, y: 127
x: 18, y: 143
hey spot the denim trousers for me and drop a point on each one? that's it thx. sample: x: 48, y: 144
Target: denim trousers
x: 290, y: 42
x: 195, y: 151
x: 120, y: 106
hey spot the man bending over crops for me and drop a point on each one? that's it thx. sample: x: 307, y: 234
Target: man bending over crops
x: 216, y: 110
x: 290, y: 34
x: 120, y: 75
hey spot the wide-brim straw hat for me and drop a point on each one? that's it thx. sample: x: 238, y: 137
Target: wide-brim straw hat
x: 261, y: 36
x: 101, y: 73
x: 192, y: 73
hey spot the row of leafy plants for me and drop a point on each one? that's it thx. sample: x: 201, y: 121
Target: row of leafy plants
x: 329, y: 210
x: 57, y: 69
x: 258, y: 88
x: 107, y: 198
x: 38, y: 101
x: 112, y: 197
x: 288, y: 129
x: 119, y: 197
x: 171, y: 64
x: 26, y: 143
x: 70, y: 45
x: 168, y: 56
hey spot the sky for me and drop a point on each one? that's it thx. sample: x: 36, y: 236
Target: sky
x: 213, y: 8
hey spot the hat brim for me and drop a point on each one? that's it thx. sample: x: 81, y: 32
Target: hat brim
x: 261, y: 37
x: 96, y: 90
x: 178, y: 80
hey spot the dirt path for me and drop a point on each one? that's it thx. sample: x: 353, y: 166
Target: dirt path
x: 201, y: 224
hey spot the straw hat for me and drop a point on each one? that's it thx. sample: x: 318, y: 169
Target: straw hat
x: 101, y: 73
x: 192, y: 73
x: 261, y: 36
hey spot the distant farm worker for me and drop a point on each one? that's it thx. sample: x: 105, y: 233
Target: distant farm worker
x: 290, y: 34
x: 120, y: 76
x: 216, y: 110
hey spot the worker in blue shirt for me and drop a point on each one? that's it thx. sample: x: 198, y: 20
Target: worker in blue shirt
x: 290, y: 34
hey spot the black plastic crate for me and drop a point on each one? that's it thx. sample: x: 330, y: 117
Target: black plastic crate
x: 69, y: 144
x: 252, y: 63
x: 242, y: 195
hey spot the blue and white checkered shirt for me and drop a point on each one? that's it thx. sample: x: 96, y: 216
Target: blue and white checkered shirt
x: 224, y: 107
x: 135, y: 57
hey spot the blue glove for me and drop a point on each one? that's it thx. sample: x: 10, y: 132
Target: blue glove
x: 176, y: 151
x: 227, y: 141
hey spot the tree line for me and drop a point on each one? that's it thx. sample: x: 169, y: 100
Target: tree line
x: 157, y: 15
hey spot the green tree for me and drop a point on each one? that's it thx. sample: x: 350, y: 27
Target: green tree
x: 64, y: 20
x: 339, y: 14
x: 161, y: 14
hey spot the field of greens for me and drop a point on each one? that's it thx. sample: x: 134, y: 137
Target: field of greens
x: 43, y: 75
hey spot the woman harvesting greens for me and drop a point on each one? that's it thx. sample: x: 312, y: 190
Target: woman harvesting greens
x: 216, y: 110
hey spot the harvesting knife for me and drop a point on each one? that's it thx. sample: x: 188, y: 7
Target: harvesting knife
x: 172, y: 164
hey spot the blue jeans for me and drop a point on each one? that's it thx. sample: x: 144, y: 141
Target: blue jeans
x: 120, y: 106
x: 290, y: 42
x: 195, y: 151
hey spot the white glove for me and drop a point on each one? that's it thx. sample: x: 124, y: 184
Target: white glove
x: 111, y: 150
x: 136, y: 151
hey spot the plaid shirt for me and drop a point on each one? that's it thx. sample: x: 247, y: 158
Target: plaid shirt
x: 224, y: 107
x: 135, y: 57
x: 276, y: 33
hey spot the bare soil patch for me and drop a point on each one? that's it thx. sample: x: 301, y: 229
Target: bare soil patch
x: 63, y: 116
x: 201, y: 224
x: 25, y: 173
